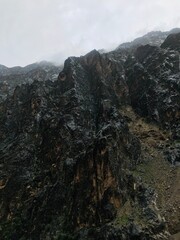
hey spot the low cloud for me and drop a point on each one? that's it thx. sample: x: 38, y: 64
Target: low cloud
x: 32, y: 30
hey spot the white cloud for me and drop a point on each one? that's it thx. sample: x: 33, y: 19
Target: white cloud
x: 31, y: 30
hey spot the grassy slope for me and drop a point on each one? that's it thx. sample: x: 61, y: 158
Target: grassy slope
x: 155, y: 170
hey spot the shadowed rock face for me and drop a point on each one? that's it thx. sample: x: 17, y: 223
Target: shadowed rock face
x: 172, y: 42
x: 68, y: 156
x: 154, y: 86
x: 73, y: 133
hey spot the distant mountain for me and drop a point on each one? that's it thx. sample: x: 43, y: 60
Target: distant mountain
x: 11, y: 77
x: 45, y: 65
x: 155, y: 38
x: 4, y: 70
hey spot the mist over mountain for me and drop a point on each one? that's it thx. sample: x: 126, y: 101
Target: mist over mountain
x: 155, y: 38
x: 34, y: 30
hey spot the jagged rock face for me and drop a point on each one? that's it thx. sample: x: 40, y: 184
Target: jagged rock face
x: 70, y: 140
x: 104, y: 134
x: 153, y: 79
x: 67, y: 153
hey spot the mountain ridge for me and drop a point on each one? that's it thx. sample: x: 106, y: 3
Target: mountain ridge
x: 155, y: 38
x: 5, y: 71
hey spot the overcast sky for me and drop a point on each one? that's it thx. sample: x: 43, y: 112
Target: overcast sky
x: 33, y: 30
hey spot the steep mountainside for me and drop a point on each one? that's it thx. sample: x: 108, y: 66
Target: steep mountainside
x: 94, y: 154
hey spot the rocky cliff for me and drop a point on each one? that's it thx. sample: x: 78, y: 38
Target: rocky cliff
x: 94, y: 154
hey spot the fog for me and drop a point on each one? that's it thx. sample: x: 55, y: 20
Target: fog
x: 34, y: 30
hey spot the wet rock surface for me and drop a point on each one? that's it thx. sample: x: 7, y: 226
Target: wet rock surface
x: 69, y: 152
